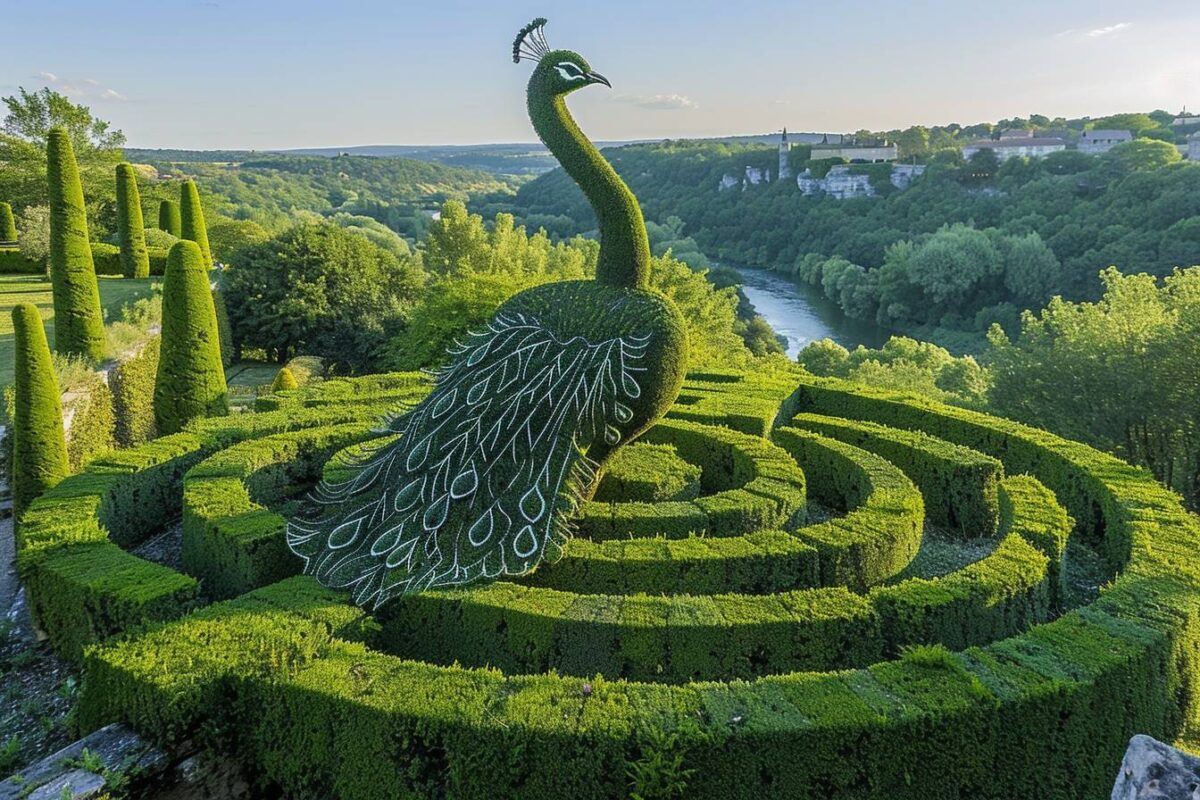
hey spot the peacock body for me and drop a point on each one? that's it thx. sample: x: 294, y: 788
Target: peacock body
x: 493, y: 463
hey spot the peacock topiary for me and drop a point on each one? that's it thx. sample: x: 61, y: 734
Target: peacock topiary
x: 135, y: 260
x: 8, y: 226
x: 191, y: 219
x: 190, y: 382
x: 78, y: 322
x: 168, y: 218
x: 39, y: 455
x: 494, y: 462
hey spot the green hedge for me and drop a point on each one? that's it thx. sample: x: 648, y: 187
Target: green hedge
x: 959, y: 484
x: 14, y: 262
x: 749, y: 485
x: 89, y: 406
x: 158, y: 260
x: 107, y: 259
x: 231, y: 542
x: 647, y: 472
x: 882, y: 531
x: 132, y: 383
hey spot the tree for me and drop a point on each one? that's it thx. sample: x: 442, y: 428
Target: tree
x: 78, y: 323
x: 33, y: 235
x: 191, y: 219
x: 135, y: 261
x: 191, y: 380
x: 30, y: 118
x: 318, y: 289
x: 39, y: 454
x: 1142, y: 154
x: 8, y: 226
x: 1032, y: 272
x: 168, y: 218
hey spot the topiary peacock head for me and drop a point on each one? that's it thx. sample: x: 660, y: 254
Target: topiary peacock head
x: 494, y: 462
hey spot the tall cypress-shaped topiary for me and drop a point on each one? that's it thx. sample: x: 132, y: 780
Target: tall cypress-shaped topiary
x: 39, y: 456
x: 168, y: 218
x: 563, y: 375
x: 78, y: 323
x: 191, y: 215
x: 135, y: 261
x: 190, y: 382
x: 8, y: 226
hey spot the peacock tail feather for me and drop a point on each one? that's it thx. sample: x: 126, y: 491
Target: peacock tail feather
x: 488, y: 471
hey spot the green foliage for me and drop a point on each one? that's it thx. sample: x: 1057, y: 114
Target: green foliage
x: 8, y: 226
x: 78, y: 323
x: 39, y: 454
x: 227, y: 236
x: 648, y: 472
x: 1141, y: 155
x: 89, y: 403
x: 33, y: 235
x: 904, y: 365
x: 284, y: 381
x: 106, y: 259
x: 15, y: 262
x: 191, y: 219
x: 157, y: 239
x: 190, y: 381
x: 1119, y: 373
x: 169, y: 218
x: 132, y: 383
x: 134, y: 259
x: 319, y: 290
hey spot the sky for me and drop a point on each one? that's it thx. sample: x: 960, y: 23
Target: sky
x: 273, y: 74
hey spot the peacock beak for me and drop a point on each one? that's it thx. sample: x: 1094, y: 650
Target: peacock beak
x: 596, y: 77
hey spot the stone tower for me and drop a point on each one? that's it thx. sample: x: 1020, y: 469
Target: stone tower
x: 785, y: 147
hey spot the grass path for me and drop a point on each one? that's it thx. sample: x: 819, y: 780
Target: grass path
x: 115, y: 293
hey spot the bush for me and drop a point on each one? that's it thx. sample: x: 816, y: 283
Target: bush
x: 191, y: 219
x: 158, y: 259
x: 284, y: 381
x: 158, y: 239
x: 169, y: 219
x: 39, y: 455
x: 107, y: 259
x: 134, y: 259
x: 649, y: 472
x: 132, y: 384
x: 190, y: 381
x: 14, y: 262
x: 8, y: 226
x: 78, y: 323
x: 89, y: 405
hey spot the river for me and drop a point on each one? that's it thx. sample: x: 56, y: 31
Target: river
x: 802, y: 314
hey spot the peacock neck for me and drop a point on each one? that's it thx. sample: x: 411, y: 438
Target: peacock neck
x: 624, y: 247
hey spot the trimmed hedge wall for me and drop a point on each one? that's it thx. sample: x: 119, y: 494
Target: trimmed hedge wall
x: 1045, y: 713
x: 647, y: 472
x: 230, y: 541
x: 132, y: 385
x: 959, y: 484
x: 14, y: 262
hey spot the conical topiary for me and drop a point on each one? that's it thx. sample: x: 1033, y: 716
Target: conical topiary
x: 8, y: 226
x: 39, y: 456
x: 78, y: 323
x: 190, y: 382
x: 284, y: 379
x: 168, y: 218
x: 135, y: 261
x: 191, y: 216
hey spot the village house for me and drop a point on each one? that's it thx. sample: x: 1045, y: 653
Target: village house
x: 1102, y: 140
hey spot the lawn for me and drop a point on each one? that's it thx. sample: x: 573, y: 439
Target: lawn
x: 115, y: 293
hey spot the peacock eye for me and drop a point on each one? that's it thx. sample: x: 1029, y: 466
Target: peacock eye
x: 569, y: 71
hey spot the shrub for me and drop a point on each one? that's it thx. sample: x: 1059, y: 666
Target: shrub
x: 158, y: 239
x: 191, y: 220
x: 284, y: 381
x: 78, y: 323
x: 132, y: 384
x: 134, y: 259
x: 33, y: 235
x: 8, y: 226
x: 15, y: 262
x: 229, y: 353
x: 106, y: 259
x: 169, y: 219
x: 39, y: 447
x: 89, y: 405
x: 190, y: 381
x: 158, y: 259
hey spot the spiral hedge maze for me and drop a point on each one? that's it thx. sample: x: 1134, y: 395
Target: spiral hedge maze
x: 739, y: 613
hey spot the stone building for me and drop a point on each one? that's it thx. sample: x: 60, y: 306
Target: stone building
x: 1185, y: 118
x: 1017, y: 143
x: 855, y: 151
x: 1193, y: 145
x: 785, y: 150
x: 1101, y: 141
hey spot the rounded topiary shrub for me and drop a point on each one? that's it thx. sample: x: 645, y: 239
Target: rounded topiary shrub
x: 191, y: 217
x: 8, y: 226
x: 190, y: 382
x: 135, y: 261
x: 648, y: 472
x: 284, y: 380
x: 39, y: 457
x: 169, y: 219
x: 78, y: 322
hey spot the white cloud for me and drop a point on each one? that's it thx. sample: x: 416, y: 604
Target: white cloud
x: 658, y: 102
x: 1107, y: 29
x: 85, y: 89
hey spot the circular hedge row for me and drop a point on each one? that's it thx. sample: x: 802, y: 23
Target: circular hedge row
x: 664, y: 635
